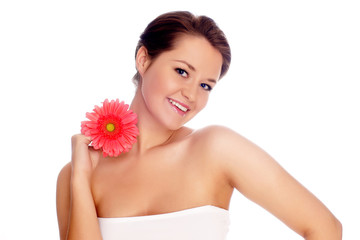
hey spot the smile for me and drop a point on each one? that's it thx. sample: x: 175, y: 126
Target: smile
x: 179, y: 106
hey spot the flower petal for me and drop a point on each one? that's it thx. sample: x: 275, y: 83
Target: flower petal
x: 115, y: 142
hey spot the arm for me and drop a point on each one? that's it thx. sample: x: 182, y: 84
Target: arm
x: 261, y: 179
x: 76, y: 210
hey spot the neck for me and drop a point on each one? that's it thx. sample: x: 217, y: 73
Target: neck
x: 152, y: 133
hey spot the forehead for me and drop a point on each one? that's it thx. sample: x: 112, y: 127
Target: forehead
x: 197, y: 51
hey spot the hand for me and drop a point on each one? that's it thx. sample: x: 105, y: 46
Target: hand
x: 84, y: 159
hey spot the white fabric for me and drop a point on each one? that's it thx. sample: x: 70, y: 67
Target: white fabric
x: 200, y: 223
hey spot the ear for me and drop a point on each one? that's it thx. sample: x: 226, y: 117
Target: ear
x: 142, y: 60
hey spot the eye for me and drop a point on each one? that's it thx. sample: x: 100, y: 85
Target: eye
x: 205, y: 86
x: 182, y: 72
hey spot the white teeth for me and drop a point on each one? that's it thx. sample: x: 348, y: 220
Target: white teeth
x: 182, y: 108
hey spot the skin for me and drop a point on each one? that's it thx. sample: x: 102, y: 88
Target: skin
x: 172, y: 167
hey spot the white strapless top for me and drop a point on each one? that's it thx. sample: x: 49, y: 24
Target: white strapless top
x: 199, y: 223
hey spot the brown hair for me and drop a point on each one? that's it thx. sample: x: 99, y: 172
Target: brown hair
x: 161, y: 34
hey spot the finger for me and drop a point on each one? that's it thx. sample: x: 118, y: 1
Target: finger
x: 80, y: 138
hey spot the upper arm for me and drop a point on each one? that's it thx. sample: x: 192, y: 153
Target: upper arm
x: 63, y: 199
x: 260, y: 178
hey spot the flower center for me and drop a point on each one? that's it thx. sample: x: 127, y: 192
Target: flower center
x: 110, y: 127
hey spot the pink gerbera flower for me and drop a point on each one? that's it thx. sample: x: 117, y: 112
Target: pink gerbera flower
x: 111, y: 128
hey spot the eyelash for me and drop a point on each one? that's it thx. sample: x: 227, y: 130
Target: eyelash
x: 205, y: 86
x: 181, y: 72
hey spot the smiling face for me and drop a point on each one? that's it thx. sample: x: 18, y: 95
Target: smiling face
x: 176, y: 85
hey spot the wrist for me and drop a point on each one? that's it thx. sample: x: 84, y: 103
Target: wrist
x: 80, y: 178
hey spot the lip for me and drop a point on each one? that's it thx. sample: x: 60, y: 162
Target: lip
x: 180, y: 112
x: 182, y: 104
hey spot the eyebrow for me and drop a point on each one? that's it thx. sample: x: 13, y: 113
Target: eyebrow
x: 193, y: 69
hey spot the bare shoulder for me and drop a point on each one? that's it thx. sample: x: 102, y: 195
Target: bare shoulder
x: 64, y: 173
x: 64, y: 177
x: 222, y: 145
x: 214, y: 131
x: 63, y: 181
x: 219, y: 138
x: 63, y: 199
x: 232, y: 152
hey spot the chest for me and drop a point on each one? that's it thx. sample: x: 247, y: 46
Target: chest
x: 160, y: 182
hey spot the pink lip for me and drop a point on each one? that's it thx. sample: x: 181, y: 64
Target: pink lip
x: 176, y: 109
x: 182, y: 104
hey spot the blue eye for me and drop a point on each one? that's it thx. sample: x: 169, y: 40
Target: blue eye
x: 206, y: 86
x: 182, y: 72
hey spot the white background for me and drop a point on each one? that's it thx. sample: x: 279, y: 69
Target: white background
x: 293, y: 89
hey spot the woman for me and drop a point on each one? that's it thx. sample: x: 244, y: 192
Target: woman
x: 176, y: 182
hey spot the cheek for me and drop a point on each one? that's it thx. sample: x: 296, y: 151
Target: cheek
x: 155, y: 85
x: 203, y: 100
x: 150, y: 81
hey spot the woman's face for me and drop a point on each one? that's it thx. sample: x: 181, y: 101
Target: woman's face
x: 176, y: 85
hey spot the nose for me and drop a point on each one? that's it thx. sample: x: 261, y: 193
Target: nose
x: 189, y: 92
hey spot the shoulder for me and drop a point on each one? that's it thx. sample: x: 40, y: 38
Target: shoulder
x: 228, y: 145
x: 64, y: 174
x: 63, y: 183
x: 63, y: 199
x: 231, y: 152
x: 218, y: 138
x: 221, y: 144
